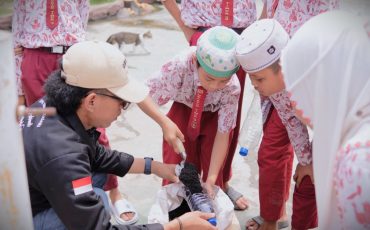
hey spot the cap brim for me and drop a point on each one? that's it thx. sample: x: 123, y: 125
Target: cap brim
x: 133, y: 91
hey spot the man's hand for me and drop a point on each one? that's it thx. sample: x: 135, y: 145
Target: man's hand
x: 165, y: 171
x: 192, y: 221
x: 302, y: 171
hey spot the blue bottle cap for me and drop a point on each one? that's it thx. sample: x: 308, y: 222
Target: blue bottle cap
x: 243, y: 151
x: 213, y: 221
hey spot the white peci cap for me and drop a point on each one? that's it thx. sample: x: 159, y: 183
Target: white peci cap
x: 260, y: 45
x: 99, y: 65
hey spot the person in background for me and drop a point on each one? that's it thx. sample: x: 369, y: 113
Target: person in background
x: 337, y: 52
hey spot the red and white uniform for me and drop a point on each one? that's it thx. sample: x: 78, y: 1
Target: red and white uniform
x: 207, y: 13
x: 178, y: 81
x: 31, y: 31
x: 291, y: 15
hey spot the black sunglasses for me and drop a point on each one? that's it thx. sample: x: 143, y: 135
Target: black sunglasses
x: 124, y: 104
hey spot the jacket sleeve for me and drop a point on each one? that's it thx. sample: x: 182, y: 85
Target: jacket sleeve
x: 111, y: 161
x: 66, y: 184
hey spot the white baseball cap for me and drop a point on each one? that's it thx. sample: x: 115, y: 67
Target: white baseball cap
x: 216, y: 51
x: 260, y: 45
x: 99, y: 65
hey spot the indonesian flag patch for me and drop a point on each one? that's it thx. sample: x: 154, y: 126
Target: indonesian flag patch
x: 82, y: 185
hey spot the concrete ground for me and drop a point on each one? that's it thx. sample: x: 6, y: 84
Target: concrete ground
x: 137, y: 134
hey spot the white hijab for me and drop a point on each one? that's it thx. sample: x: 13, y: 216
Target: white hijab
x: 326, y: 67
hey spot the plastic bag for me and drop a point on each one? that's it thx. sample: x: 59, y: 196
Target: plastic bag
x: 170, y: 197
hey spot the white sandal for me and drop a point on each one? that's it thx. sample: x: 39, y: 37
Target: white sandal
x: 123, y: 206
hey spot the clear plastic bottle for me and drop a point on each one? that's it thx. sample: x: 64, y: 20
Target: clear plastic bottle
x: 200, y: 202
x: 251, y: 131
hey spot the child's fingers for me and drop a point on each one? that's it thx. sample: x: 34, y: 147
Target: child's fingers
x: 180, y: 135
x: 298, y: 182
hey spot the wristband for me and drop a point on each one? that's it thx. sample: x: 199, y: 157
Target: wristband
x: 148, y: 165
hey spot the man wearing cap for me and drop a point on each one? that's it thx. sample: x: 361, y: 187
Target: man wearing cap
x: 258, y: 52
x: 43, y: 31
x: 62, y: 152
x: 202, y: 83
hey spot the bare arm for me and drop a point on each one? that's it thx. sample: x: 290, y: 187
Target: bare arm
x: 219, y: 152
x: 170, y: 130
x: 174, y: 10
x: 165, y: 171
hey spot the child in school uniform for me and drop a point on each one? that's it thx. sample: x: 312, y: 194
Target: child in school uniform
x: 194, y: 17
x: 337, y: 51
x: 205, y: 90
x: 279, y: 127
x: 258, y: 52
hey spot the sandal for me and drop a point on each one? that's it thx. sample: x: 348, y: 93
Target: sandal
x: 259, y: 221
x: 234, y: 196
x: 123, y: 206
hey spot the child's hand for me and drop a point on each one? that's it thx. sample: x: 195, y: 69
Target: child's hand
x: 18, y: 50
x: 209, y: 186
x: 302, y: 171
x: 171, y: 133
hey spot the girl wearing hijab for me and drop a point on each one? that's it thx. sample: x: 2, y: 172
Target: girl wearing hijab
x: 326, y: 68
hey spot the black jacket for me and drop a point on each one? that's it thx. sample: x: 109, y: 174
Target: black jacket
x: 58, y: 151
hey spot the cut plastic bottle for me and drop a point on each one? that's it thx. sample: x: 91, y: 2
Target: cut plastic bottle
x: 251, y: 131
x: 201, y: 202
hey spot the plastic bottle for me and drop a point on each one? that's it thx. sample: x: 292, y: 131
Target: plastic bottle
x: 201, y: 202
x: 251, y: 131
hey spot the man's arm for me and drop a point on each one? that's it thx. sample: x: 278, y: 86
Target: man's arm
x: 66, y: 184
x: 111, y: 161
x: 118, y: 163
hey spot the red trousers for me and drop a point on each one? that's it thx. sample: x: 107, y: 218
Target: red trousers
x: 199, y: 151
x: 275, y: 161
x: 304, y: 206
x: 36, y: 67
x: 234, y: 135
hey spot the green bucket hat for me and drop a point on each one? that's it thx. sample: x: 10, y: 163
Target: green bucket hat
x: 216, y: 51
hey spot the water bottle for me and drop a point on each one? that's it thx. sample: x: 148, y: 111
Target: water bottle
x: 251, y: 131
x: 200, y: 202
